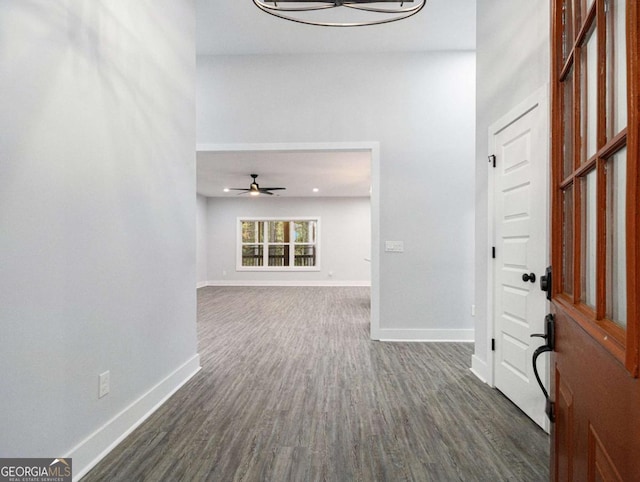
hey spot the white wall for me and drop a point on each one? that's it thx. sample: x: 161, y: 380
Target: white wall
x: 345, y: 239
x: 201, y: 240
x: 420, y: 107
x: 97, y: 209
x: 512, y: 63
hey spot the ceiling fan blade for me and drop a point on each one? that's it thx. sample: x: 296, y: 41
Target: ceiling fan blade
x: 262, y: 191
x: 273, y: 188
x: 238, y: 189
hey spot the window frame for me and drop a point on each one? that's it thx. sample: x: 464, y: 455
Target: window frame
x: 266, y: 243
x: 622, y: 343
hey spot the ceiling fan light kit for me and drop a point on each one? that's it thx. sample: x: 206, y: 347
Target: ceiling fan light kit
x: 387, y: 10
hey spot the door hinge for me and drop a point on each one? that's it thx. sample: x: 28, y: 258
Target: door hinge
x: 493, y: 344
x: 492, y: 159
x: 493, y: 252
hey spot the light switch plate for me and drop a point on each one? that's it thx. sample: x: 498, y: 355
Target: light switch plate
x: 105, y: 384
x: 394, y: 246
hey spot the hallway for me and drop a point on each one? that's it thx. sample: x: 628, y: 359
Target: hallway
x: 293, y: 389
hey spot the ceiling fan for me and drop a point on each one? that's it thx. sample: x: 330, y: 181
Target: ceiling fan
x: 255, y: 189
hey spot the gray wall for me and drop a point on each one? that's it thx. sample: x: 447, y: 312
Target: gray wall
x: 345, y: 239
x: 512, y: 63
x: 97, y: 210
x: 201, y: 240
x: 420, y: 107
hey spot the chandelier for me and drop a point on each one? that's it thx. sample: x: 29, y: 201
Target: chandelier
x: 375, y: 12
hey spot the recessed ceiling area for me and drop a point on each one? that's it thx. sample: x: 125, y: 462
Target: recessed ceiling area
x: 333, y: 173
x: 238, y: 27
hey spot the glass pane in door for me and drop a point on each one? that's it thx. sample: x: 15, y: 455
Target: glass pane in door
x: 567, y: 126
x: 616, y: 68
x: 567, y: 240
x: 589, y: 230
x: 586, y: 6
x: 616, y: 169
x: 590, y: 95
x: 567, y: 28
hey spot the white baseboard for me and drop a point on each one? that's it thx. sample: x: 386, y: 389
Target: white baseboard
x: 287, y: 283
x: 479, y: 368
x: 201, y: 284
x: 424, y: 335
x: 95, y: 447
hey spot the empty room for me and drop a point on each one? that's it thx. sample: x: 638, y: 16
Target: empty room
x: 303, y: 241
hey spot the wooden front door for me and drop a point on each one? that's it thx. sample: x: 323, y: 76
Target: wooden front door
x: 595, y: 252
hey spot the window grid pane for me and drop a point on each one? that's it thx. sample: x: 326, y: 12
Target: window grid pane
x: 590, y: 95
x: 567, y: 241
x: 616, y: 67
x: 567, y: 121
x: 589, y: 233
x: 567, y: 31
x: 305, y: 232
x: 252, y: 232
x: 305, y: 255
x: 278, y: 231
x: 279, y: 255
x: 616, y: 172
x: 252, y: 255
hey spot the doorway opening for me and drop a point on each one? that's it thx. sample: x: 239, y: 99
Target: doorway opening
x: 239, y: 160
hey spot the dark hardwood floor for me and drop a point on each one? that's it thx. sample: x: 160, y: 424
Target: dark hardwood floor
x: 293, y: 389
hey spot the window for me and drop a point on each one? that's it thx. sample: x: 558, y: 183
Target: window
x: 595, y: 144
x: 276, y: 244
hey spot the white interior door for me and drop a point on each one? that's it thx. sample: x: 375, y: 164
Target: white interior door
x: 520, y: 237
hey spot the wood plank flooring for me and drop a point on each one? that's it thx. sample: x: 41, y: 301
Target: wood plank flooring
x: 292, y: 389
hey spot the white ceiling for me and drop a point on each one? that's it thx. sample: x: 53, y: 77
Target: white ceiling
x: 237, y: 27
x: 333, y: 173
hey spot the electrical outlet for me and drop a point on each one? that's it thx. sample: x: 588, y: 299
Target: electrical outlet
x: 473, y: 310
x: 104, y: 385
x: 224, y: 272
x: 330, y: 274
